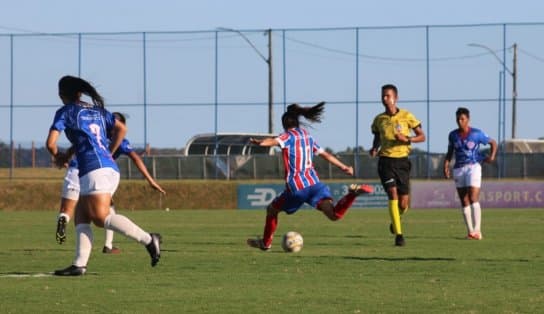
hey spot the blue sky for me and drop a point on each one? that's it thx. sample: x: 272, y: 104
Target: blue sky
x: 138, y: 16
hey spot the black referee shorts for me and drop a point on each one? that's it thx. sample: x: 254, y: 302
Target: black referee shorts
x: 395, y: 172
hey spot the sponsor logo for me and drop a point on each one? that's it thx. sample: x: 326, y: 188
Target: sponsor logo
x: 261, y: 197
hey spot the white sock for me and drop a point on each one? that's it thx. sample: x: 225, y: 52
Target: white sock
x: 125, y: 226
x: 467, y: 215
x: 477, y: 213
x: 108, y: 234
x: 65, y: 216
x: 84, y: 244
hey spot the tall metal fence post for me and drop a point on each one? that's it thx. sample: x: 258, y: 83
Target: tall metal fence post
x: 11, y: 105
x: 428, y: 77
x: 356, y: 159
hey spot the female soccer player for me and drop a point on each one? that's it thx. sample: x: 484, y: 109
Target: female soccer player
x: 86, y: 127
x: 302, y: 183
x: 465, y: 142
x: 70, y: 191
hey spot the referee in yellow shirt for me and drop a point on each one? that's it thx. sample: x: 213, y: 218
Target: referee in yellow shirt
x: 394, y: 131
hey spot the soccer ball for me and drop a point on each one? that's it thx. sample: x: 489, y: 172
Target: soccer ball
x: 292, y: 242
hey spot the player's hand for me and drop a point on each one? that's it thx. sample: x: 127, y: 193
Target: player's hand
x: 348, y: 170
x: 489, y: 159
x: 61, y: 160
x: 402, y: 138
x: 447, y: 172
x: 157, y: 187
x: 373, y: 152
x: 255, y: 141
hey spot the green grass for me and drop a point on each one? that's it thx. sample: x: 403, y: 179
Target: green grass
x: 349, y: 266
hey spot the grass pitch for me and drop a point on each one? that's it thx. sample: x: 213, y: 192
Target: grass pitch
x: 349, y: 266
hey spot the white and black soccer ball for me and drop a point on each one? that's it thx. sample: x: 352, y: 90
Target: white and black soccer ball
x: 292, y: 242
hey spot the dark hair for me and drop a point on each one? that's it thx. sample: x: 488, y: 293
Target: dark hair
x: 462, y: 110
x: 121, y: 117
x: 290, y: 119
x: 71, y: 86
x: 391, y: 87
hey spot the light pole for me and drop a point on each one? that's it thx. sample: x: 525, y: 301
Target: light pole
x: 514, y: 75
x: 268, y: 61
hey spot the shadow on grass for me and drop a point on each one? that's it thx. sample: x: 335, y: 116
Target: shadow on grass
x: 396, y: 259
x: 25, y: 274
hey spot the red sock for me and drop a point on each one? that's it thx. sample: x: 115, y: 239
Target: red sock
x: 269, y: 229
x: 344, y: 204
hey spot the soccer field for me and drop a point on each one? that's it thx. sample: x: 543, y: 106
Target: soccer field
x: 349, y: 266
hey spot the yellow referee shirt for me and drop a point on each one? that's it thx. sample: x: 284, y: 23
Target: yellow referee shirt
x: 401, y: 122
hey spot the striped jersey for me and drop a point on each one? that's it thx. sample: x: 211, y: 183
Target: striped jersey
x: 86, y: 127
x: 299, y: 148
x: 466, y: 147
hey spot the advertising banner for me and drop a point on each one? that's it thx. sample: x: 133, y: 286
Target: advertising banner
x: 258, y: 196
x: 494, y: 194
x: 424, y: 194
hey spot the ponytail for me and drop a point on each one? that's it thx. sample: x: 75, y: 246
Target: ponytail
x: 290, y: 118
x: 71, y: 86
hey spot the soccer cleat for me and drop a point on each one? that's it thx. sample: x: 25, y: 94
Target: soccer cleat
x: 399, y: 240
x: 61, y: 230
x: 361, y: 189
x: 153, y: 248
x: 112, y: 250
x: 475, y: 236
x: 258, y: 244
x: 71, y: 270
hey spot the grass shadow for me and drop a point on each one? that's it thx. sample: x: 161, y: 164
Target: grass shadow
x: 397, y: 259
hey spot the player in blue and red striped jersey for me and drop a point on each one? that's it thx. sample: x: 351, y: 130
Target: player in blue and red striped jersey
x: 87, y: 126
x: 464, y: 142
x: 302, y: 183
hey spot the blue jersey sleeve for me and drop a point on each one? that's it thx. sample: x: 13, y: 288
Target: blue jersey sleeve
x: 124, y: 149
x: 483, y: 137
x: 59, y: 120
x: 109, y: 118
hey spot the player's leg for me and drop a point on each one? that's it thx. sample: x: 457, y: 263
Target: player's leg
x: 105, y: 182
x: 462, y: 182
x: 403, y: 167
x: 67, y: 208
x: 271, y: 220
x: 466, y: 211
x: 84, y: 240
x: 388, y: 179
x: 474, y: 195
x: 322, y: 200
x: 108, y: 237
x: 69, y: 197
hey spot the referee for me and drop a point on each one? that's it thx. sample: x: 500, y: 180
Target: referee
x: 394, y: 131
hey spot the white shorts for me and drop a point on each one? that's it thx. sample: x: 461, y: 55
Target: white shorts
x: 468, y: 176
x: 99, y: 181
x: 70, y: 187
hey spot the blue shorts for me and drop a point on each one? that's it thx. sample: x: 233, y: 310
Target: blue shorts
x: 290, y: 201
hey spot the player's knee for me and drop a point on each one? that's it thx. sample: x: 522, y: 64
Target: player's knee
x: 271, y: 210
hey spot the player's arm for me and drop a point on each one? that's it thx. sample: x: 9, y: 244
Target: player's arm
x: 333, y: 160
x: 493, y: 153
x: 375, y: 145
x: 447, y: 161
x: 271, y: 141
x: 143, y: 170
x: 118, y: 134
x: 417, y: 138
x: 51, y: 143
